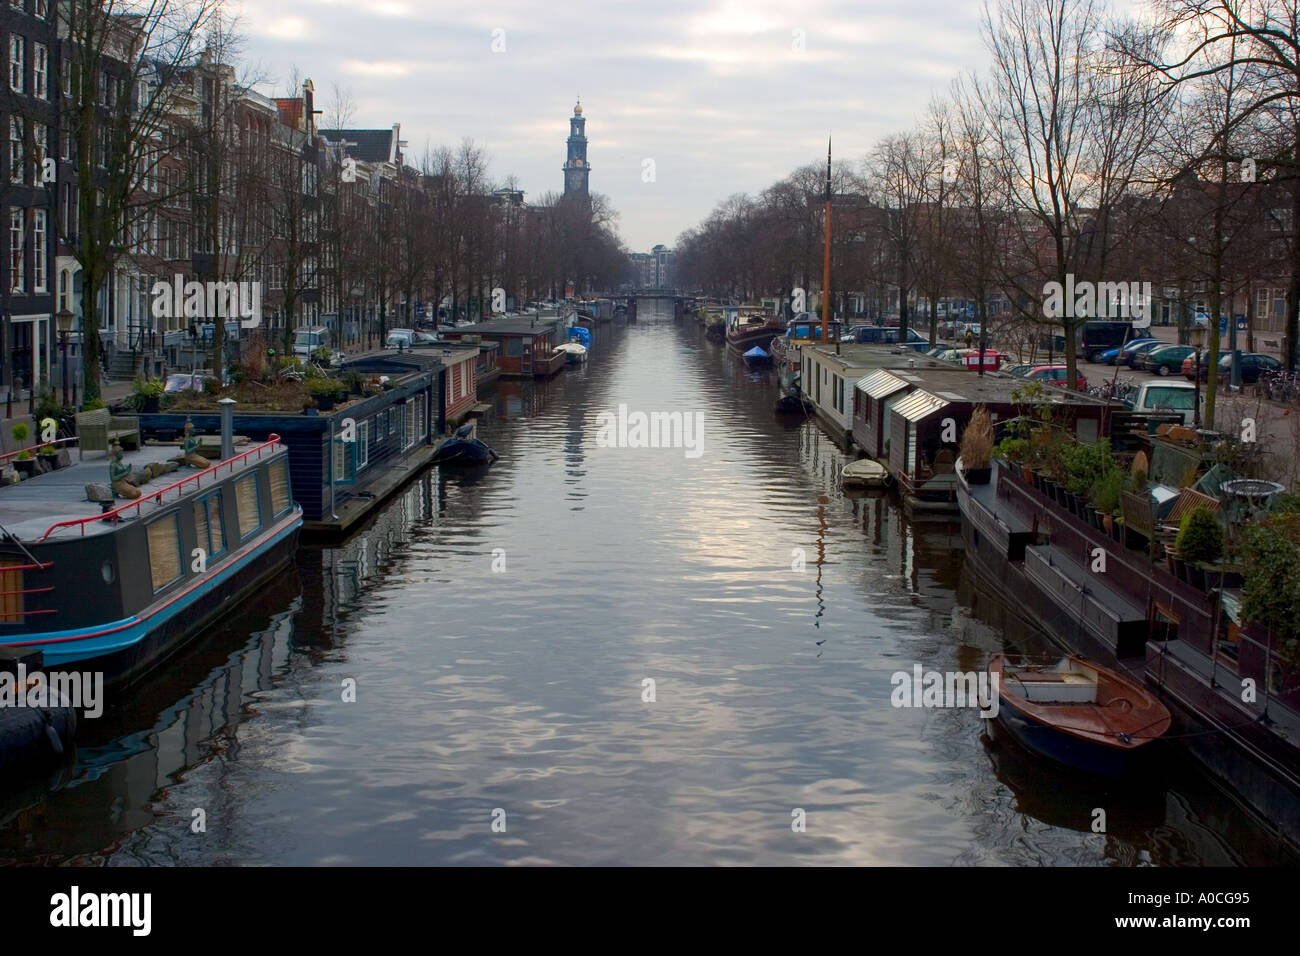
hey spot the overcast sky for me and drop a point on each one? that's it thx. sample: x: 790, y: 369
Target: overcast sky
x: 723, y: 97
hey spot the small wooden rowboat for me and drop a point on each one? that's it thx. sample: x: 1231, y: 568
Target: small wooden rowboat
x: 864, y: 473
x: 1078, y: 713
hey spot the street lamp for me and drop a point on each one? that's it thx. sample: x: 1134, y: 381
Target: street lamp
x: 65, y: 319
x: 1197, y: 335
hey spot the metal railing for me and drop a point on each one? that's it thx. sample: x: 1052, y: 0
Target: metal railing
x: 178, y: 486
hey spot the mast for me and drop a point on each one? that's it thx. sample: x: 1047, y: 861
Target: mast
x: 826, y: 261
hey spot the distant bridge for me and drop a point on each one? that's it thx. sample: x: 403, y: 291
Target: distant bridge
x: 656, y: 294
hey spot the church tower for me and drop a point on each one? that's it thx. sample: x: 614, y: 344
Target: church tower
x: 576, y: 169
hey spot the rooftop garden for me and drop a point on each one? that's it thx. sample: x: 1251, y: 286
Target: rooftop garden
x: 262, y: 383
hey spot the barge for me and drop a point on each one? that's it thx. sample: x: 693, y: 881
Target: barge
x: 115, y: 586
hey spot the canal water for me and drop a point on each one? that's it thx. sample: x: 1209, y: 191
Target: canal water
x: 467, y: 679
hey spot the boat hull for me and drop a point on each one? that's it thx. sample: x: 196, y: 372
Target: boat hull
x: 125, y: 650
x: 1065, y: 749
x: 462, y: 451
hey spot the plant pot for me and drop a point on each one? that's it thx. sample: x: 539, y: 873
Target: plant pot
x: 311, y: 410
x: 1048, y: 487
x: 1037, y: 481
x: 1108, y: 522
x: 51, y: 462
x: 1180, y: 568
x: 1195, y: 574
x: 978, y: 476
x: 1171, y: 557
x: 324, y: 402
x: 151, y: 403
x: 26, y: 466
x: 1026, y: 475
x: 1229, y: 578
x: 1090, y: 516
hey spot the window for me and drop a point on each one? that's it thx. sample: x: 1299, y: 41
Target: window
x: 409, y: 414
x: 17, y: 234
x: 210, y: 528
x: 17, y: 63
x: 41, y: 149
x: 250, y: 509
x: 514, y: 348
x: 15, y: 149
x: 40, y: 70
x: 165, y: 551
x: 363, y: 445
x: 344, y: 466
x: 11, y: 592
x: 41, y: 279
x: 281, y: 501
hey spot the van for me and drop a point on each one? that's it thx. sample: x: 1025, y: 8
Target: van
x: 1166, y: 396
x: 307, y: 340
x: 1098, y: 337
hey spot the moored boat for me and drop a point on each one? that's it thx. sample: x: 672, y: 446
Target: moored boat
x: 463, y: 448
x: 757, y: 357
x: 120, y: 584
x: 748, y: 329
x: 1078, y: 713
x: 574, y: 353
x: 865, y: 473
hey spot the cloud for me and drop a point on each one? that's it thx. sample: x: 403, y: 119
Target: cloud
x: 719, y: 94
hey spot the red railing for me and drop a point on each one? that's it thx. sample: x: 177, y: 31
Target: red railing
x: 179, y: 487
x: 4, y: 459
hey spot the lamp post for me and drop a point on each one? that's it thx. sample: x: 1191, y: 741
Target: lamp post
x: 65, y: 319
x: 1197, y: 335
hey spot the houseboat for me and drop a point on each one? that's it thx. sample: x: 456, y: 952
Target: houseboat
x: 748, y: 329
x: 527, y: 344
x: 911, y: 419
x: 117, y: 585
x: 348, y: 459
x: 804, y: 329
x: 1190, y: 644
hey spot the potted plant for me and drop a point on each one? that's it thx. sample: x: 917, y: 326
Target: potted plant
x: 23, y: 461
x: 1016, y: 451
x: 148, y: 394
x: 977, y: 447
x: 1199, y: 542
x: 324, y: 391
x: 50, y: 457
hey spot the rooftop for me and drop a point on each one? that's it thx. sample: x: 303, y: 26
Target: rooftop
x: 508, y: 325
x: 29, y: 508
x: 992, y: 388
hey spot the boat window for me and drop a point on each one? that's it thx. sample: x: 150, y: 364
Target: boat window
x: 281, y: 501
x: 250, y: 509
x: 409, y: 414
x: 209, y: 528
x: 11, y: 583
x: 363, y: 445
x: 165, y: 551
x: 514, y: 347
x: 343, y: 458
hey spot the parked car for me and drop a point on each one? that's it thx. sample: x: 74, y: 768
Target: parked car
x: 951, y: 355
x: 1163, y: 359
x: 1021, y: 370
x: 406, y: 338
x: 1112, y: 356
x: 186, y: 382
x: 1097, y: 336
x: 1252, y: 364
x: 1130, y: 353
x: 1054, y: 375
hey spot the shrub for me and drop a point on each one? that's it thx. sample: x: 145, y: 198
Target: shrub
x: 21, y: 431
x: 1014, y: 450
x: 94, y: 405
x: 1084, y: 465
x: 1106, y: 491
x: 977, y: 440
x: 1271, y: 597
x: 1199, y: 536
x: 318, y: 386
